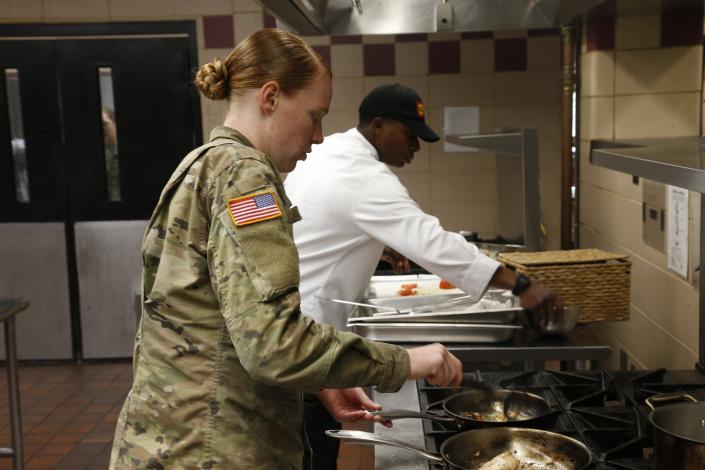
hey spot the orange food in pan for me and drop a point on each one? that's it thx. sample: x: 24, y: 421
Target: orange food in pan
x: 406, y: 291
x: 445, y: 285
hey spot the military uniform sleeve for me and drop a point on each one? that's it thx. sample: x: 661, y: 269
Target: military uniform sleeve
x: 254, y: 269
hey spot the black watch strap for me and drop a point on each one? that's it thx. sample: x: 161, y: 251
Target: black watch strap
x: 522, y: 283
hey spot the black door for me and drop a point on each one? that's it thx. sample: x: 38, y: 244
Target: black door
x: 97, y: 119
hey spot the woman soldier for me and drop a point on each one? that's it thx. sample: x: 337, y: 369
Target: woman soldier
x: 223, y: 352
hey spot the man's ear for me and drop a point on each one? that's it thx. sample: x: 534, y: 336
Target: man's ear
x: 377, y: 125
x: 268, y: 96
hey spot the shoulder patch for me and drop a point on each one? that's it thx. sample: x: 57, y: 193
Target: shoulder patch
x: 254, y: 208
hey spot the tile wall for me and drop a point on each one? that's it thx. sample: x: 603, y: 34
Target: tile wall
x: 513, y: 76
x: 641, y: 76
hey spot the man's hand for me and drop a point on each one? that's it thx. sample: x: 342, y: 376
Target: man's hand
x: 350, y: 404
x: 435, y: 364
x: 536, y: 297
x: 399, y: 262
x: 543, y: 301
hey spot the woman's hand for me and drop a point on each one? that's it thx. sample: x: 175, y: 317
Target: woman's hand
x: 350, y: 404
x: 435, y: 364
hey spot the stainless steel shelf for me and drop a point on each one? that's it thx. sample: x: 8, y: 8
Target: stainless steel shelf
x: 678, y: 161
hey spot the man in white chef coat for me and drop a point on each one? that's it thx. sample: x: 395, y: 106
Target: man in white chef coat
x: 352, y: 206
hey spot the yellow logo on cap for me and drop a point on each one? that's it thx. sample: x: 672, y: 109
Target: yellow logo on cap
x: 420, y: 109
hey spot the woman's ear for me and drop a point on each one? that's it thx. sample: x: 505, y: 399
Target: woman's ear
x: 268, y: 96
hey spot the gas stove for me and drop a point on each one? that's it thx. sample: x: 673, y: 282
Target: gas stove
x: 606, y: 410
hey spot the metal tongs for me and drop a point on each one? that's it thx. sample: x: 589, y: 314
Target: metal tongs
x: 405, y: 311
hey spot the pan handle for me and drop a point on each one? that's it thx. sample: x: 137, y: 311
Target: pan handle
x: 667, y: 398
x: 371, y: 438
x: 402, y: 414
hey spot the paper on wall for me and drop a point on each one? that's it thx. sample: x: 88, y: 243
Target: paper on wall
x: 677, y: 230
x: 460, y: 120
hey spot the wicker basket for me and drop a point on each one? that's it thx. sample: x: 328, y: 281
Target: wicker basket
x: 595, y: 280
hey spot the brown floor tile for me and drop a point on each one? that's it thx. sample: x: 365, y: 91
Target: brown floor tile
x: 57, y: 449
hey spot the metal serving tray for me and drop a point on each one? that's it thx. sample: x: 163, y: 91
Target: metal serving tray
x: 435, y: 332
x: 464, y: 312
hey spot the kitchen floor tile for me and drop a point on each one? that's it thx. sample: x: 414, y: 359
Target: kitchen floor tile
x: 69, y: 412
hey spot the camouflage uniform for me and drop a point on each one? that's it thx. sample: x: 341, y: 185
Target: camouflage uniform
x: 223, y: 352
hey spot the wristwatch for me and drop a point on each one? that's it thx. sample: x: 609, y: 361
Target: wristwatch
x: 522, y: 283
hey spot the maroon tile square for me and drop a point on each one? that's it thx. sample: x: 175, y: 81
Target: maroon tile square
x: 324, y: 52
x: 600, y: 33
x: 444, y: 57
x: 681, y: 28
x: 269, y: 21
x: 420, y: 37
x: 378, y: 59
x: 218, y: 31
x: 510, y: 54
x: 476, y: 35
x: 347, y: 39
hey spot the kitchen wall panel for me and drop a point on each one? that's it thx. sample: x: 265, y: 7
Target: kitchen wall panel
x: 447, y: 69
x: 597, y: 117
x: 597, y: 73
x: 652, y: 115
x: 655, y: 91
x: 661, y: 70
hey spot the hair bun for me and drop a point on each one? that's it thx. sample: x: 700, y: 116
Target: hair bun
x: 212, y: 80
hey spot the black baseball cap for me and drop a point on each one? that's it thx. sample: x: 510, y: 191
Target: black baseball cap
x: 401, y: 103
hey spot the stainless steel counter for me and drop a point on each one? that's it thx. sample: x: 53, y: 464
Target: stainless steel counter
x: 407, y: 430
x: 581, y: 344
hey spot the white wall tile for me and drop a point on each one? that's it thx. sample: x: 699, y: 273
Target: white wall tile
x: 477, y: 217
x: 459, y: 90
x: 346, y: 60
x: 411, y: 58
x: 246, y: 24
x: 78, y: 10
x: 418, y: 184
x: 138, y: 9
x: 597, y: 117
x: 191, y: 9
x: 347, y: 93
x: 339, y: 121
x: 659, y: 70
x: 544, y: 117
x: 21, y: 11
x: 476, y: 56
x: 597, y: 73
x: 543, y: 53
x: 418, y: 83
x: 535, y: 87
x: 463, y: 186
x: 662, y: 115
x: 246, y: 5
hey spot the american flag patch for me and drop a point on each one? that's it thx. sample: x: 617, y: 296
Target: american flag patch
x: 254, y: 208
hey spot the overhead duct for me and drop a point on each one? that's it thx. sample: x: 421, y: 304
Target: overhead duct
x: 320, y: 17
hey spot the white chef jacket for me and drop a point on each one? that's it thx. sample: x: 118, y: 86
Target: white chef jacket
x: 352, y: 205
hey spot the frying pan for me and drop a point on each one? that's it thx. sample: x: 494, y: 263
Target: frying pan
x: 484, y: 407
x: 470, y: 450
